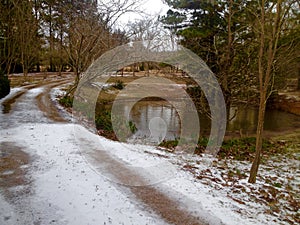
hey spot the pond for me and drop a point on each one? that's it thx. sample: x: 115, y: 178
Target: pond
x: 164, y: 115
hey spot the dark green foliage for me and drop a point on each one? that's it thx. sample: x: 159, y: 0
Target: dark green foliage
x: 119, y: 85
x: 237, y: 149
x: 199, y: 24
x: 169, y: 144
x: 203, y: 141
x: 194, y: 91
x: 103, y: 121
x: 236, y: 173
x: 142, y: 67
x: 163, y: 65
x: 66, y: 101
x: 4, y: 85
x: 218, y: 32
x: 244, y: 148
x: 132, y: 127
x: 278, y: 185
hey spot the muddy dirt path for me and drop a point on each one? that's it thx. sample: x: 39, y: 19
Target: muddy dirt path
x: 13, y: 168
x: 7, y: 103
x: 47, y: 106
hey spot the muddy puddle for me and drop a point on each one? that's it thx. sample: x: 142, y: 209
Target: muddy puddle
x: 14, y: 165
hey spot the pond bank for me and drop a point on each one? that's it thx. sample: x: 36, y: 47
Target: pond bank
x: 288, y: 102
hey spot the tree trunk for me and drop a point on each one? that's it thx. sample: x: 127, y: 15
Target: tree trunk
x: 133, y: 69
x: 148, y: 69
x: 8, y: 69
x: 77, y: 76
x: 38, y: 67
x: 52, y: 69
x: 298, y: 87
x: 25, y: 71
x: 60, y: 68
x: 259, y: 136
x: 24, y: 67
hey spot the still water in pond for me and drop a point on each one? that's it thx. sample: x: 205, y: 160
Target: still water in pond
x: 165, y: 115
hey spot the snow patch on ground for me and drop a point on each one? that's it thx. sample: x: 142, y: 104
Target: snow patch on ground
x: 12, y: 92
x: 7, y: 215
x: 55, y: 94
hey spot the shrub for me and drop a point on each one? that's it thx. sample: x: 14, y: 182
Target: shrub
x: 132, y: 127
x: 119, y: 85
x: 66, y: 101
x: 241, y: 149
x: 103, y: 121
x: 170, y: 144
x: 4, y: 85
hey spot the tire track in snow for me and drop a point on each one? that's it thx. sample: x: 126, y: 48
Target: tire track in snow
x: 47, y: 106
x: 8, y: 102
x: 148, y: 195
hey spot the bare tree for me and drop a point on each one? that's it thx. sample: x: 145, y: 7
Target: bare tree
x: 27, y: 34
x: 8, y: 36
x: 270, y: 21
x: 89, y: 34
x: 150, y: 28
x: 112, y: 10
x: 86, y: 42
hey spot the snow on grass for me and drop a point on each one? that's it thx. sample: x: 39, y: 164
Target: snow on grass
x: 221, y: 190
x: 213, y: 206
x: 270, y: 201
x: 57, y: 93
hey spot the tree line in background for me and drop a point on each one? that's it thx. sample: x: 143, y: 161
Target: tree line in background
x: 54, y: 35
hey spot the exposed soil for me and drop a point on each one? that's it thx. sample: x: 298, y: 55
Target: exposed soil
x: 8, y: 102
x: 288, y: 102
x: 17, y: 80
x: 14, y: 164
x: 164, y: 206
x: 47, y: 106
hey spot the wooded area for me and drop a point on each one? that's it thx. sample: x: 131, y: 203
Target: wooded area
x: 56, y: 35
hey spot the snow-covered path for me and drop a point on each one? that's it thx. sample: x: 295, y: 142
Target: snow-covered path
x: 63, y: 188
x: 54, y: 172
x: 59, y: 185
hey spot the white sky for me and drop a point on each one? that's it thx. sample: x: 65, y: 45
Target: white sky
x: 148, y: 6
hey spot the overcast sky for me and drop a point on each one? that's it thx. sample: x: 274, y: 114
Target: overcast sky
x: 149, y: 7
